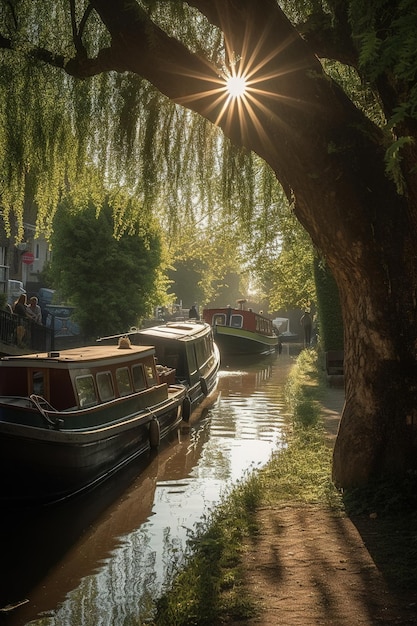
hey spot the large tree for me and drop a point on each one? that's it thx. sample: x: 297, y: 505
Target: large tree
x: 351, y: 181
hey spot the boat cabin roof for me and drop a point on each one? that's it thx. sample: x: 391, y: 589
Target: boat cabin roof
x: 181, y: 331
x: 84, y: 356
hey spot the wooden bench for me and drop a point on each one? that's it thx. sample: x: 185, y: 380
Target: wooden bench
x: 334, y: 362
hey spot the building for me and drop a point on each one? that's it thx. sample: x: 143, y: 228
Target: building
x: 23, y: 261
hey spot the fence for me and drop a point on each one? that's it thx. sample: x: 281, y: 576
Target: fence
x: 24, y: 335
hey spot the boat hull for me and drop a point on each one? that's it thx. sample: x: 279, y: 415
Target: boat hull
x: 45, y: 464
x: 240, y: 331
x: 239, y: 341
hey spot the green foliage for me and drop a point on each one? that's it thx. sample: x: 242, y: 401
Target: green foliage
x: 329, y: 309
x: 379, y: 39
x: 387, y: 35
x: 287, y: 271
x: 54, y: 127
x: 113, y: 282
x: 202, y: 255
x: 359, y: 91
x: 186, y: 281
x: 393, y: 159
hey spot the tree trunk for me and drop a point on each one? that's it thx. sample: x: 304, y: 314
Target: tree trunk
x: 330, y: 160
x: 377, y: 434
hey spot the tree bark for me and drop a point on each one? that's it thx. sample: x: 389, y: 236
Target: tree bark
x: 330, y: 160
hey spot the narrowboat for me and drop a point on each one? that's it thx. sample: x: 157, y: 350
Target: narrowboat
x: 187, y: 348
x: 69, y: 419
x: 240, y: 332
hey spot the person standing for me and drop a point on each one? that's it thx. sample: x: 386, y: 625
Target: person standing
x: 307, y: 323
x: 34, y: 310
x: 193, y: 313
x: 20, y: 309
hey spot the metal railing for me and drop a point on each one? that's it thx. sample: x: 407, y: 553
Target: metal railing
x: 24, y: 335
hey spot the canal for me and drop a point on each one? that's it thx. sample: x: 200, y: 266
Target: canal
x: 100, y: 559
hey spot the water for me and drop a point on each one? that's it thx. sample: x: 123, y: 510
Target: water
x: 99, y: 560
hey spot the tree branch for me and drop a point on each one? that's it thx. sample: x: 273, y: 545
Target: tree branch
x: 140, y: 46
x: 77, y: 33
x: 37, y: 54
x: 329, y: 38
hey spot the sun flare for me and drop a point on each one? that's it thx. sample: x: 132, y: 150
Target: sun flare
x: 241, y: 96
x: 236, y: 86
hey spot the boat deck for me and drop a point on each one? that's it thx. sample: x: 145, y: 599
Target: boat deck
x: 86, y: 353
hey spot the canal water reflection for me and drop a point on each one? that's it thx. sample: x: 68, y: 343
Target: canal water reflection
x: 100, y: 559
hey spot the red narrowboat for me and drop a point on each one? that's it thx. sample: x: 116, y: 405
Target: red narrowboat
x: 239, y: 331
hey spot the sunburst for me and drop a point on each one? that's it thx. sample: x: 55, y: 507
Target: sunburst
x: 236, y: 86
x: 242, y: 96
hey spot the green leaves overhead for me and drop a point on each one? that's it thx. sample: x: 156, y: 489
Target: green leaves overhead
x: 55, y: 130
x: 91, y: 136
x: 386, y: 32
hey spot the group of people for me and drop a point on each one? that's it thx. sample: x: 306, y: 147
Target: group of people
x: 30, y: 310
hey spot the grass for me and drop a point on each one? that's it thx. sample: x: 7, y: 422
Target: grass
x: 207, y: 587
x: 302, y: 471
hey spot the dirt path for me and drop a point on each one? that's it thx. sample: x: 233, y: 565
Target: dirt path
x: 309, y: 566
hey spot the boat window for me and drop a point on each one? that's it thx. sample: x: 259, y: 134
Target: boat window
x: 139, y: 382
x: 123, y: 381
x: 86, y: 390
x: 192, y: 363
x: 205, y: 356
x: 38, y: 383
x: 236, y: 321
x: 105, y: 386
x: 150, y: 375
x: 201, y: 352
x: 220, y: 319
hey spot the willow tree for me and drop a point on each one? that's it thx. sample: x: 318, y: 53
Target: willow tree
x: 351, y: 180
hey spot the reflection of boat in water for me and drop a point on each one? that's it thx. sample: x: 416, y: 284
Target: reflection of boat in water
x: 240, y: 331
x: 188, y: 348
x: 96, y: 559
x: 68, y: 419
x: 49, y: 550
x: 255, y: 371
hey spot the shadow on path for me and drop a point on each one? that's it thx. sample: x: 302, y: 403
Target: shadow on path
x: 310, y: 565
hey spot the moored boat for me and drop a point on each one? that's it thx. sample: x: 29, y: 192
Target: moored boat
x: 188, y: 348
x: 282, y: 324
x: 68, y: 419
x: 240, y: 331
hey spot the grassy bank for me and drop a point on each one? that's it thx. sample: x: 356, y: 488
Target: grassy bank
x: 207, y: 586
